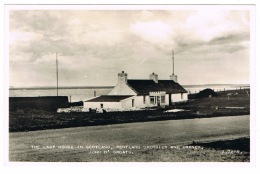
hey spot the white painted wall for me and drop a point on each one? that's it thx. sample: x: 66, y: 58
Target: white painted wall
x: 185, y: 96
x: 179, y: 98
x: 147, y: 101
x: 122, y: 89
x: 138, y: 102
x: 127, y: 103
x: 141, y: 103
x: 97, y: 105
x: 167, y: 99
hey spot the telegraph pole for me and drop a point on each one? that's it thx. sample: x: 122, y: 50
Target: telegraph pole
x: 172, y: 62
x: 57, y: 74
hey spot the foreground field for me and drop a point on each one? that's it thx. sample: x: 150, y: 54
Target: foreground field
x: 172, y: 141
x: 228, y: 103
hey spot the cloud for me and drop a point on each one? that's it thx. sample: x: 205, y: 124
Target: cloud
x: 219, y: 23
x: 140, y: 42
x: 155, y: 32
x: 20, y: 36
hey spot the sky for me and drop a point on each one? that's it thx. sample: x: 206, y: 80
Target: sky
x: 211, y: 46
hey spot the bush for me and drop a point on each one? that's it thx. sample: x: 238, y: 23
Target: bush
x: 206, y: 93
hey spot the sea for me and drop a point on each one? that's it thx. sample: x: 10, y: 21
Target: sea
x: 76, y: 94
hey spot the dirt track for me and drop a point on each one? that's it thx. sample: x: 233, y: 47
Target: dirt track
x: 91, y: 143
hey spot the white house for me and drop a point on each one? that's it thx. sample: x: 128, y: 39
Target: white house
x: 132, y: 94
x: 137, y: 94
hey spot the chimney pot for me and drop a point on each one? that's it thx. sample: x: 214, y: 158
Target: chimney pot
x: 154, y: 77
x: 122, y: 77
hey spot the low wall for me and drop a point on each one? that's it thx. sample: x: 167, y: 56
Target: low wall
x: 49, y: 103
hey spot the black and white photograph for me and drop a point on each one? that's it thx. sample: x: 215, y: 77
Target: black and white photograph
x: 130, y: 83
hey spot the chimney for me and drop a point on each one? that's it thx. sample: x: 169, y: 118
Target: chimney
x: 154, y: 77
x: 122, y: 77
x: 173, y: 77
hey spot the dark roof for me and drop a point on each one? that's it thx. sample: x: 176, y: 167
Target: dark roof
x: 143, y: 87
x: 109, y: 98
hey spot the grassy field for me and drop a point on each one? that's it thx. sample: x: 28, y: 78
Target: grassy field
x: 223, y: 105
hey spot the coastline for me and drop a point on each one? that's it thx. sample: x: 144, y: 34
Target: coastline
x: 219, y: 143
x: 221, y: 106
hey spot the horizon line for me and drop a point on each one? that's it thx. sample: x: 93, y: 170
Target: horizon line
x: 100, y: 86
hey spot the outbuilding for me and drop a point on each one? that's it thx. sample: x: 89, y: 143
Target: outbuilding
x: 111, y: 102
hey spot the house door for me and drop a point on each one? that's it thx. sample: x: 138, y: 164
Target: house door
x: 158, y: 101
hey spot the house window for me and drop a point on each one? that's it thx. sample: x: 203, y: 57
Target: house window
x: 101, y: 105
x: 162, y: 99
x: 144, y: 99
x: 152, y: 99
x: 133, y: 102
x: 181, y: 95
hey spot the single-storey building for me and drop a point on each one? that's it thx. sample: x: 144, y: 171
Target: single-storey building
x: 113, y: 102
x: 136, y: 94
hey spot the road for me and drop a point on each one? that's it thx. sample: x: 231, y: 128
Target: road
x: 32, y: 146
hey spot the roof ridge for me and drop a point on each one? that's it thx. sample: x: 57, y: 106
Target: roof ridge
x: 153, y: 80
x: 143, y: 87
x: 109, y: 98
x: 139, y: 79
